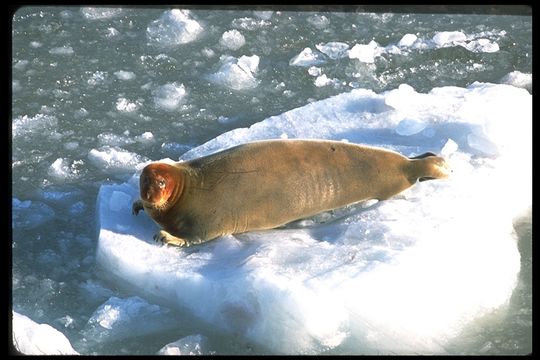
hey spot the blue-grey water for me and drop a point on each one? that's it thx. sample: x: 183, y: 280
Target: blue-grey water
x: 86, y: 79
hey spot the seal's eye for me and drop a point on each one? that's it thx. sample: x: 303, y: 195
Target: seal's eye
x: 161, y: 184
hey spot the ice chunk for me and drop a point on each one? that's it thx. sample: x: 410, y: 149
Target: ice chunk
x: 265, y: 15
x: 40, y: 123
x: 62, y: 50
x: 232, y: 39
x: 373, y: 279
x: 323, y: 80
x: 518, y: 79
x: 307, y: 58
x: 319, y: 21
x: 126, y: 106
x: 314, y: 71
x: 30, y: 214
x: 481, y: 46
x: 62, y: 170
x: 97, y: 13
x: 115, y: 160
x: 334, y: 50
x: 365, y: 53
x: 237, y: 74
x: 408, y: 127
x: 169, y: 96
x: 407, y: 40
x: 248, y: 23
x: 174, y: 27
x: 118, y: 319
x: 31, y: 338
x: 145, y: 138
x: 448, y: 37
x: 124, y: 75
x: 189, y: 345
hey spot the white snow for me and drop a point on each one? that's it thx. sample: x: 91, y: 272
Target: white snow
x: 170, y: 96
x: 232, y: 39
x: 174, y: 27
x: 31, y: 338
x: 307, y: 58
x: 404, y: 275
x: 189, y: 345
x: 237, y: 73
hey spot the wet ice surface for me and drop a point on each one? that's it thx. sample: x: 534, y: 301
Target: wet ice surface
x: 187, y: 77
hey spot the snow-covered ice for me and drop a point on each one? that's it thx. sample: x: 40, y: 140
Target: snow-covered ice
x: 518, y: 79
x: 31, y: 338
x: 404, y: 275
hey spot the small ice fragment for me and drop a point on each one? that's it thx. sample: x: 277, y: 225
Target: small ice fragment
x: 314, y: 71
x: 169, y: 96
x: 334, y: 50
x: 409, y: 127
x: 174, y: 27
x: 232, y: 39
x: 448, y: 37
x: 307, y: 58
x: 62, y: 50
x: 407, y: 40
x: 124, y: 75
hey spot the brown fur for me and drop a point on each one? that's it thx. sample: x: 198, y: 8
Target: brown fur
x: 266, y: 184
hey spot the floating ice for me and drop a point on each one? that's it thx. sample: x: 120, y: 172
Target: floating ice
x: 189, y: 345
x: 98, y: 13
x: 62, y: 170
x: 481, y: 46
x: 448, y: 37
x: 365, y: 53
x: 28, y: 126
x: 115, y: 160
x: 118, y: 319
x: 30, y: 214
x: 323, y: 80
x: 113, y: 139
x: 145, y: 138
x: 334, y: 50
x: 62, y: 50
x: 248, y: 23
x: 307, y: 58
x: 126, y: 106
x: 319, y: 21
x: 237, y: 74
x: 124, y: 75
x: 174, y: 27
x: 169, y: 96
x: 405, y: 275
x: 407, y: 40
x: 31, y: 338
x: 265, y: 15
x: 232, y: 39
x: 314, y: 71
x: 518, y: 79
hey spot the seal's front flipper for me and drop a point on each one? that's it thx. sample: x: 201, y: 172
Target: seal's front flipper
x: 168, y: 239
x: 137, y: 206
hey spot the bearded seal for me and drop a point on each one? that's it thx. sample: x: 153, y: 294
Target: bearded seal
x: 267, y: 184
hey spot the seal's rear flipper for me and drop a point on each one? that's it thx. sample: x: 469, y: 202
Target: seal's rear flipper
x: 426, y: 178
x: 424, y: 155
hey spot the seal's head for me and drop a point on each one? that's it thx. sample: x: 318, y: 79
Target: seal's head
x: 160, y: 185
x: 429, y: 166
